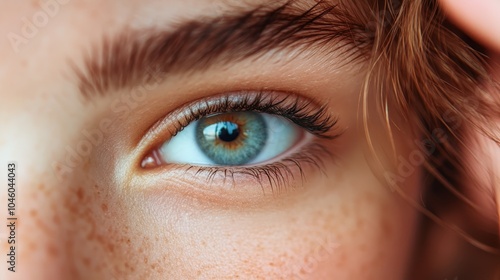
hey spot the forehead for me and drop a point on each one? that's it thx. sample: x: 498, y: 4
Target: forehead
x: 40, y: 36
x: 30, y: 19
x: 34, y: 19
x: 85, y: 19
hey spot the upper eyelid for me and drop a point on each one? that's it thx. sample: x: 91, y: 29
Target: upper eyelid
x: 249, y: 100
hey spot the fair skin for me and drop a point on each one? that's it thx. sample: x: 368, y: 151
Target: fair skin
x: 105, y: 217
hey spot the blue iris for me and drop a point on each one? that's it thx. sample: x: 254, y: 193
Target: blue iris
x: 233, y: 138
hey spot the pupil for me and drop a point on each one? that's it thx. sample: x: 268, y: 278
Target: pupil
x: 227, y: 131
x: 232, y: 139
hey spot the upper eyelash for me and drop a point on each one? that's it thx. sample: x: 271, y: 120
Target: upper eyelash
x: 303, y: 113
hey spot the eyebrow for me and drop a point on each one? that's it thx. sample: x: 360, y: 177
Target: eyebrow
x: 133, y: 57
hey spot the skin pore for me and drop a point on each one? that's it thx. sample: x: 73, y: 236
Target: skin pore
x: 89, y: 211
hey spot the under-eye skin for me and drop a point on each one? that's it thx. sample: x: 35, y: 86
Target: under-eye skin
x: 266, y: 135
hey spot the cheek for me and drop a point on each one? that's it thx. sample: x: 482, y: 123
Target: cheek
x: 349, y: 228
x: 72, y: 230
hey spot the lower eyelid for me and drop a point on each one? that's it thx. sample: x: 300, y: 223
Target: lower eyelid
x: 240, y: 183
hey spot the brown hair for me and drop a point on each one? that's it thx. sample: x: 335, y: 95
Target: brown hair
x: 438, y: 79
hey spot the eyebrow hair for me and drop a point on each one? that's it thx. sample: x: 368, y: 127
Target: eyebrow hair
x: 134, y: 56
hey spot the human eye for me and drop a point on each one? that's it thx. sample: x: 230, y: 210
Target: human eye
x: 232, y: 139
x: 264, y: 135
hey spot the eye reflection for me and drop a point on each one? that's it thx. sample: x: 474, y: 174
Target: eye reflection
x: 232, y: 139
x: 225, y: 131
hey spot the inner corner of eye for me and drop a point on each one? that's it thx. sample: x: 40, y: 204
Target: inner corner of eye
x: 228, y: 139
x: 152, y: 159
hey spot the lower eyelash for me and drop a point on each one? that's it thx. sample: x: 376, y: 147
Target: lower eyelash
x: 277, y: 174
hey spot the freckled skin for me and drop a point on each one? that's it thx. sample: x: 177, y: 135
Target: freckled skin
x: 88, y: 224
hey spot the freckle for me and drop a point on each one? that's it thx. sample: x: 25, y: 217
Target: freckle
x: 86, y: 261
x: 104, y: 207
x: 129, y: 267
x: 79, y: 194
x: 111, y: 248
x: 160, y: 269
x: 52, y: 250
x: 32, y: 246
x: 100, y: 239
x: 33, y: 213
x: 342, y: 259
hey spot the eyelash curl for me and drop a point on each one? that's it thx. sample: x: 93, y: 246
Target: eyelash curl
x: 303, y: 113
x: 299, y: 111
